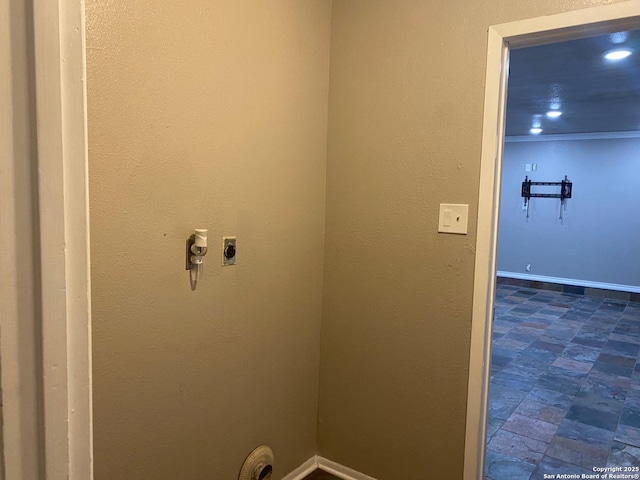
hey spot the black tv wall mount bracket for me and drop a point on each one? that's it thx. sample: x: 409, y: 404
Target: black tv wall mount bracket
x: 566, y: 188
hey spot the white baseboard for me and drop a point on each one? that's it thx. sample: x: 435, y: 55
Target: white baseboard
x: 570, y: 281
x: 341, y: 471
x: 329, y: 466
x: 303, y: 470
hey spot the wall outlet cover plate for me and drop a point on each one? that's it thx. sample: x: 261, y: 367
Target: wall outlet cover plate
x: 226, y: 241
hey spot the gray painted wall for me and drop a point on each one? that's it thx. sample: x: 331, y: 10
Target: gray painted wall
x: 599, y: 239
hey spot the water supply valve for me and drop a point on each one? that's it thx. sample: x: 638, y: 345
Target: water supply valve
x: 196, y: 250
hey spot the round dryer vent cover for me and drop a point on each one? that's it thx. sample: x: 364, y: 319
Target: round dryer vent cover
x: 258, y: 465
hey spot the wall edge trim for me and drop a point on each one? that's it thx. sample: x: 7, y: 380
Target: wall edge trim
x: 570, y: 281
x: 303, y: 470
x: 63, y: 226
x: 340, y: 470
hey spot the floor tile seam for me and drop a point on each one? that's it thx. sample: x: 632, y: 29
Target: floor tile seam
x: 504, y: 427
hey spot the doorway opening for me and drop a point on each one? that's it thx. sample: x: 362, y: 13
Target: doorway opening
x: 564, y: 394
x: 556, y: 396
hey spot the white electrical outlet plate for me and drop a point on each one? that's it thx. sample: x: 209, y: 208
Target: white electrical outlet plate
x: 226, y: 243
x: 527, y: 167
x: 453, y: 218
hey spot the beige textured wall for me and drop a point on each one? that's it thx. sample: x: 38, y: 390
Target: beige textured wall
x: 405, y: 122
x: 210, y: 115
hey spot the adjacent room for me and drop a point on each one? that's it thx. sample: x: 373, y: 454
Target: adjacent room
x: 565, y: 382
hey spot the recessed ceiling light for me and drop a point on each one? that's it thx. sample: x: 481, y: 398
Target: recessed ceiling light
x: 617, y: 54
x: 554, y: 113
x: 535, y: 130
x: 619, y: 37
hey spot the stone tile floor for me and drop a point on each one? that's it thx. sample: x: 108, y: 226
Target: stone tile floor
x: 565, y: 385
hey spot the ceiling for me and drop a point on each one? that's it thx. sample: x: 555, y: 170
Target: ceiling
x: 593, y: 94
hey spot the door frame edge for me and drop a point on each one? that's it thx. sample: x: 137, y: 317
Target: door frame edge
x: 501, y: 38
